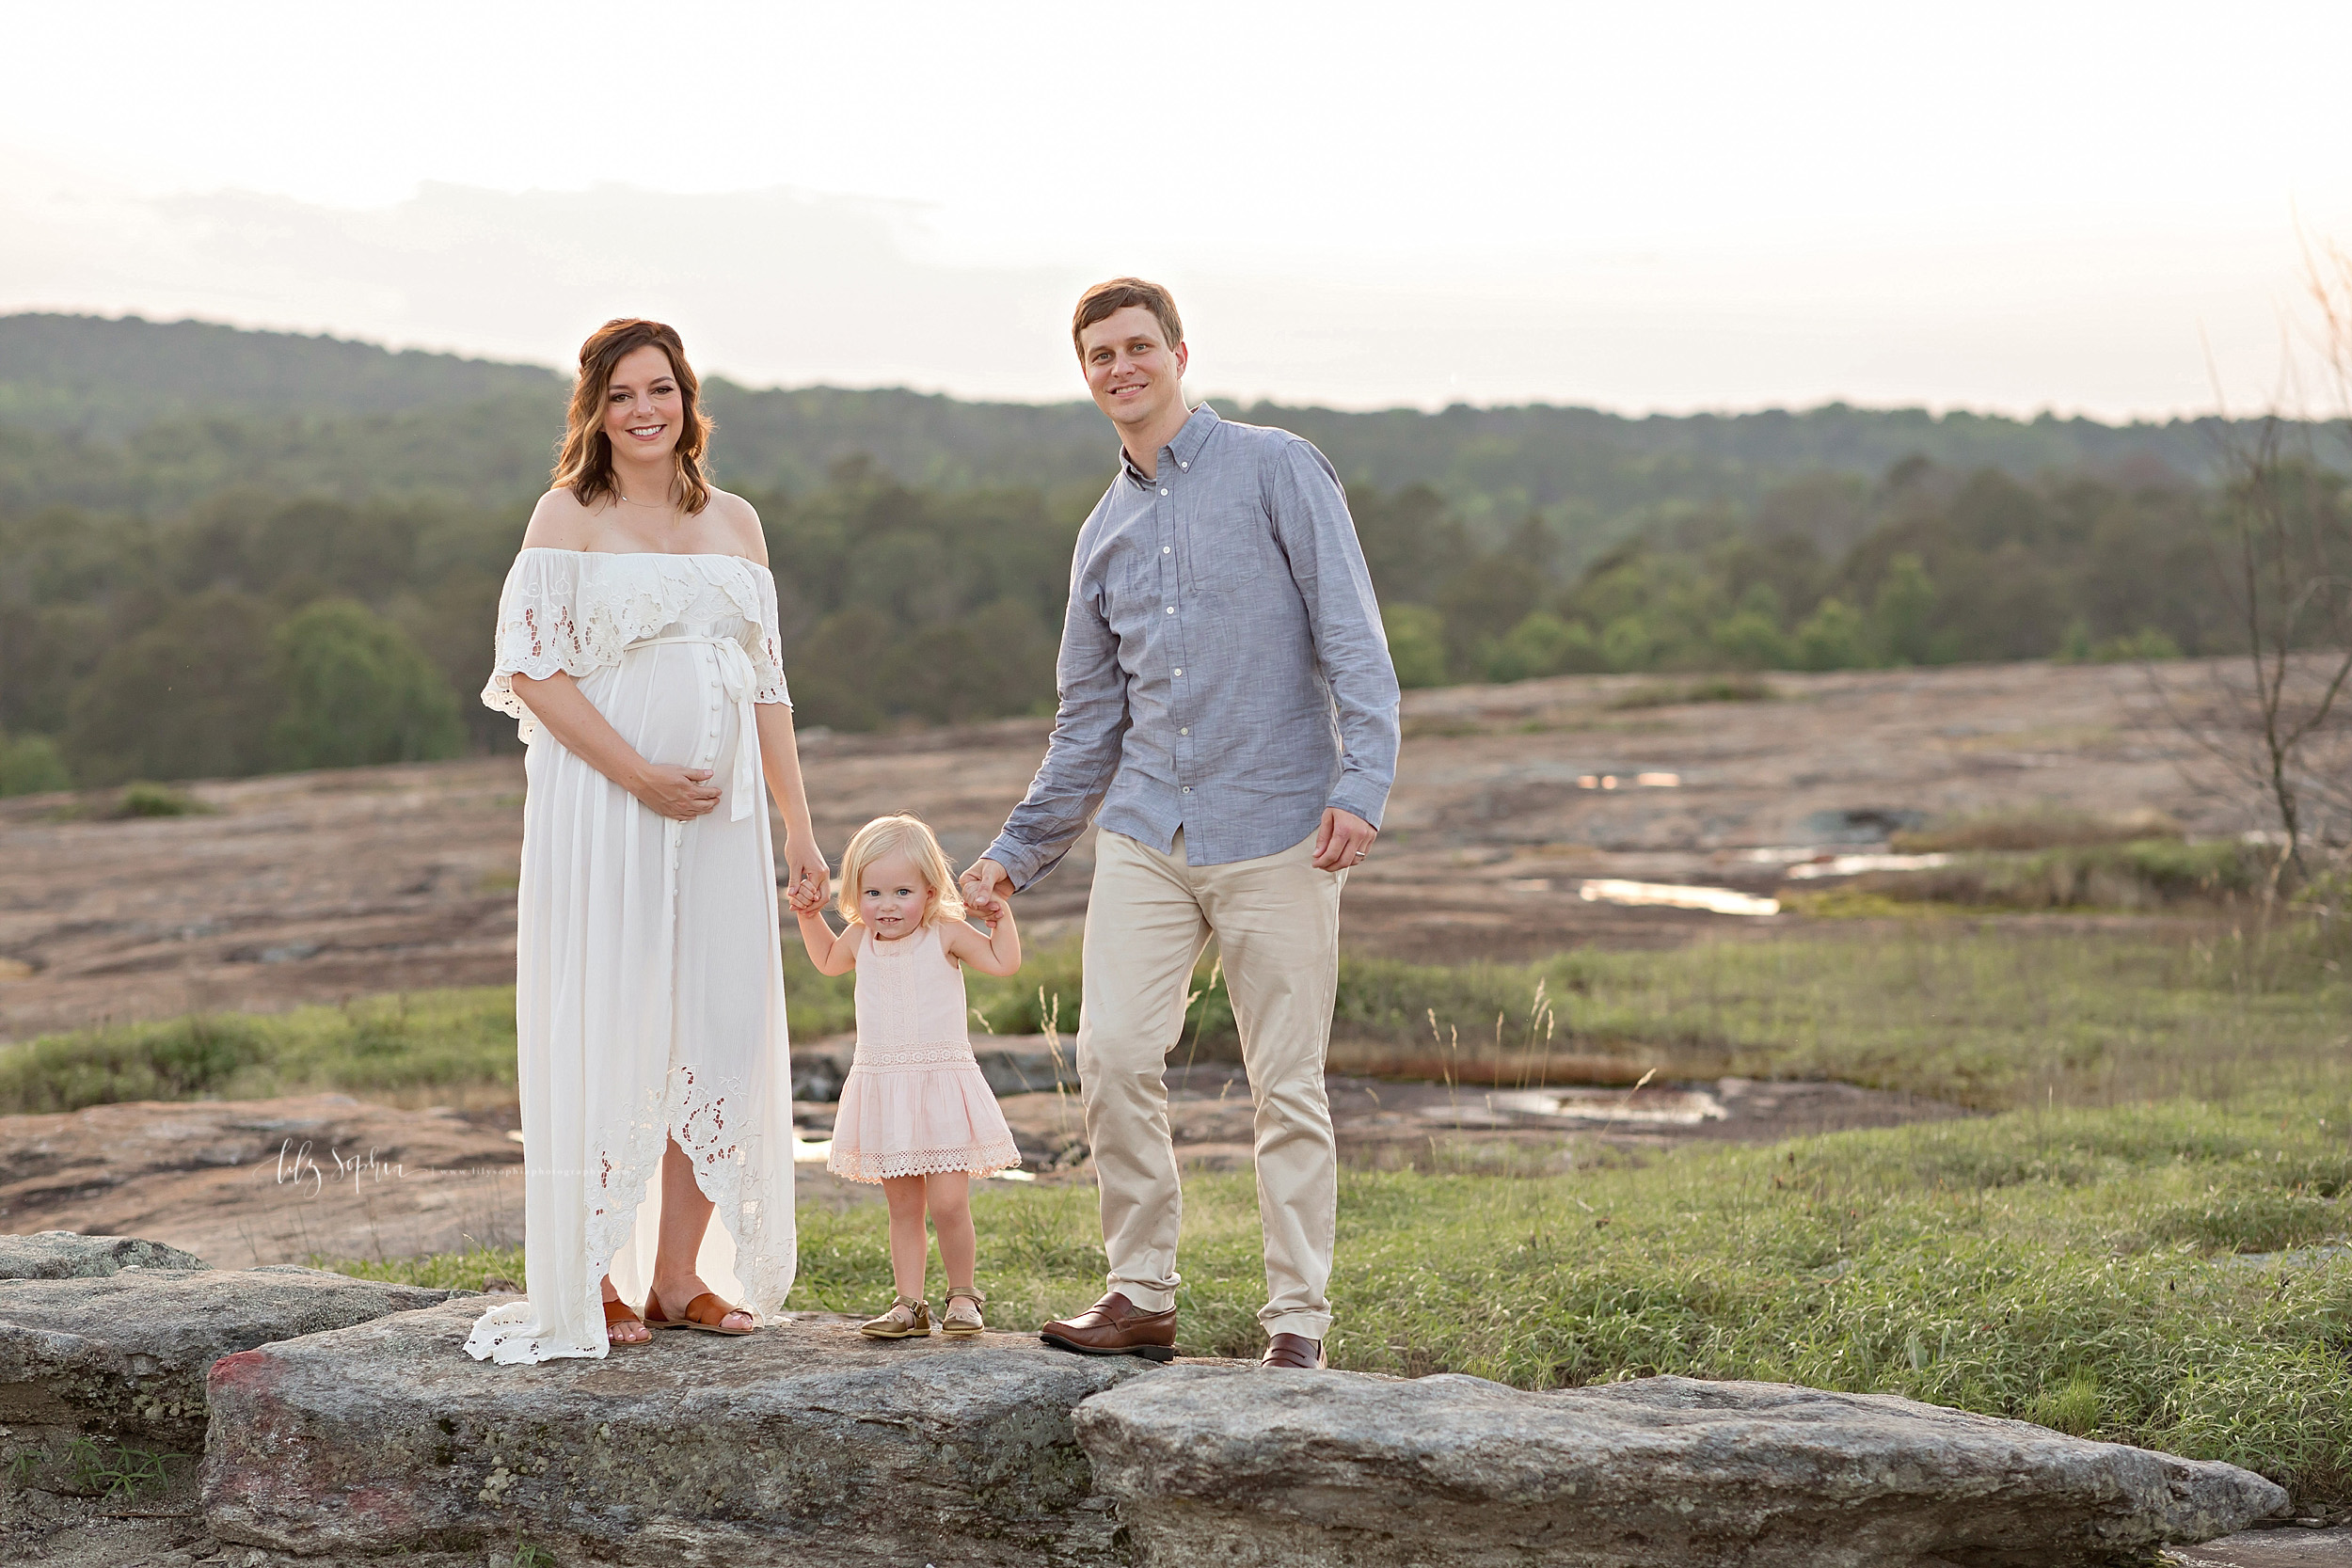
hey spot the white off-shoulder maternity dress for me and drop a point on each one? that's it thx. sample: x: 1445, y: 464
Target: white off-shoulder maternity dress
x: 648, y: 974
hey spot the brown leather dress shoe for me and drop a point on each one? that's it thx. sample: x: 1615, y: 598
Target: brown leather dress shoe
x: 1114, y: 1326
x: 1293, y: 1350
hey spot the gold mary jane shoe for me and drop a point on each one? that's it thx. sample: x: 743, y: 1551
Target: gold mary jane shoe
x: 908, y: 1319
x: 962, y: 1320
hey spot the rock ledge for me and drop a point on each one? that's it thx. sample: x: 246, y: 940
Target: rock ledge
x: 1328, y: 1468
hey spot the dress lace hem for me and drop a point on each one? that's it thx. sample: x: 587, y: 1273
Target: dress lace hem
x: 695, y: 1114
x: 977, y: 1159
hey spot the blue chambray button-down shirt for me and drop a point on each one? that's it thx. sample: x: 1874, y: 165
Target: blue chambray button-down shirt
x: 1222, y: 669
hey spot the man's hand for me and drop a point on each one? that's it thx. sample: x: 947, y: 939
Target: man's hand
x: 1343, y: 839
x: 985, y: 887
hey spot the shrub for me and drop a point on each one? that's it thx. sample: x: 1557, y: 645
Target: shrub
x: 185, y: 1059
x: 1902, y: 614
x: 1750, y: 640
x: 2045, y: 826
x: 2141, y: 874
x: 1628, y: 643
x: 1708, y: 689
x: 1832, y: 638
x: 357, y: 690
x: 32, y: 765
x: 1415, y: 643
x: 1543, y: 645
x: 191, y: 697
x: 145, y: 798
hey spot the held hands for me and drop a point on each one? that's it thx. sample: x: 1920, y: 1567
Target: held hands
x: 680, y: 794
x: 806, y: 879
x: 985, y: 887
x: 1342, y: 840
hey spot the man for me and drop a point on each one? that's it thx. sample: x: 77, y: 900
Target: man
x: 1227, y: 701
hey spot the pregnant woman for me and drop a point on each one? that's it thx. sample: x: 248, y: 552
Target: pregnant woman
x: 637, y: 644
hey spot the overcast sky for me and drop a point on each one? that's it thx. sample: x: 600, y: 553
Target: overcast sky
x: 2086, y: 207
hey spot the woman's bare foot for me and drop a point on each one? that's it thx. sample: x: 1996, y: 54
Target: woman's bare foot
x: 629, y: 1331
x: 672, y: 1294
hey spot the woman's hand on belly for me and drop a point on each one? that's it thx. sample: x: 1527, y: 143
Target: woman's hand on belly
x: 680, y: 794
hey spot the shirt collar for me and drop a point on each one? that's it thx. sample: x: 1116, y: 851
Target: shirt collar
x: 1189, y: 439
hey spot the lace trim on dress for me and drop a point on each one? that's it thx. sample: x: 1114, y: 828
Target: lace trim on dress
x: 696, y: 1113
x: 577, y: 612
x: 909, y: 1058
x: 622, y: 1177
x: 977, y: 1159
x: 725, y: 1166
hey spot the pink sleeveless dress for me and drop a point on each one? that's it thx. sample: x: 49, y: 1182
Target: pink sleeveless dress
x: 914, y: 1103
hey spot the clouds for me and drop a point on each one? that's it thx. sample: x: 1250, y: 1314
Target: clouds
x: 1699, y: 206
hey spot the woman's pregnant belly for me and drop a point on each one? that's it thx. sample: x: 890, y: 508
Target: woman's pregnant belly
x: 670, y: 705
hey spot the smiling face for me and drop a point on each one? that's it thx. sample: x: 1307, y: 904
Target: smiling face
x: 1136, y: 376
x: 643, y: 410
x: 893, y: 898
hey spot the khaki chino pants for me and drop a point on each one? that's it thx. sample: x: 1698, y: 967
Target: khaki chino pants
x: 1276, y: 922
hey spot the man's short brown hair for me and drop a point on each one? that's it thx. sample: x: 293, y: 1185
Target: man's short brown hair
x: 1107, y: 299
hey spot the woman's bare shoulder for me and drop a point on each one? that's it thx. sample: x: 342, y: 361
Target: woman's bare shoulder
x: 559, y: 522
x: 741, y: 521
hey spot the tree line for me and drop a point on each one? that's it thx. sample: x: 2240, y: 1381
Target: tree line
x: 257, y: 633
x: 224, y: 552
x: 1929, y: 565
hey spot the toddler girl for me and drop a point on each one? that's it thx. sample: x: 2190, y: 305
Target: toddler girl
x: 915, y: 1114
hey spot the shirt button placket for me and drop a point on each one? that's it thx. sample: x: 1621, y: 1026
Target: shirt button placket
x: 1168, y: 576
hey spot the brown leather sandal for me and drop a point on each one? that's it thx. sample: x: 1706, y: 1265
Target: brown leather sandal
x: 616, y: 1313
x: 705, y: 1312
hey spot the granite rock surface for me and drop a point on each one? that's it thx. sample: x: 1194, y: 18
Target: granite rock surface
x: 70, y: 1255
x: 802, y: 1442
x: 1320, y: 1469
x: 125, y: 1355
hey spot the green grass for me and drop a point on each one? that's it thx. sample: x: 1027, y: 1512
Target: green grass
x: 431, y: 1044
x: 1708, y: 689
x: 2170, y: 1097
x: 2047, y: 826
x: 2072, y: 1268
x: 1986, y: 1015
x: 2140, y: 874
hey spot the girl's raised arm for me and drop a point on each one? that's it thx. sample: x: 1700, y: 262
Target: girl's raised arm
x: 997, y: 953
x: 830, y: 954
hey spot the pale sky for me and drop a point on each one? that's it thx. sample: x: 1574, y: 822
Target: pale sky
x: 2090, y: 208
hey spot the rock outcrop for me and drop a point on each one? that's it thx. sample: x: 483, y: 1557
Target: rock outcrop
x: 1326, y: 1468
x: 70, y: 1255
x: 126, y: 1356
x: 246, y: 1182
x: 341, y: 1415
x: 802, y: 1443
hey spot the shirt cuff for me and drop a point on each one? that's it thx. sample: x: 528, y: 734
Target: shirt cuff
x: 1359, y: 799
x: 1023, y: 863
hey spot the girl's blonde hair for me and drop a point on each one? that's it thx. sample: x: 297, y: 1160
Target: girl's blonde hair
x: 893, y: 836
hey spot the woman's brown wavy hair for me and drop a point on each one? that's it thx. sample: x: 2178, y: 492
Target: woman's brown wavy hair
x: 585, y: 466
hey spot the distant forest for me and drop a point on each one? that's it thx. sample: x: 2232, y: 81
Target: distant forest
x: 225, y: 552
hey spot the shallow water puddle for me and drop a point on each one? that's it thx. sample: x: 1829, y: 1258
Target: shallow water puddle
x: 1849, y: 866
x: 1677, y: 895
x: 1645, y: 1107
